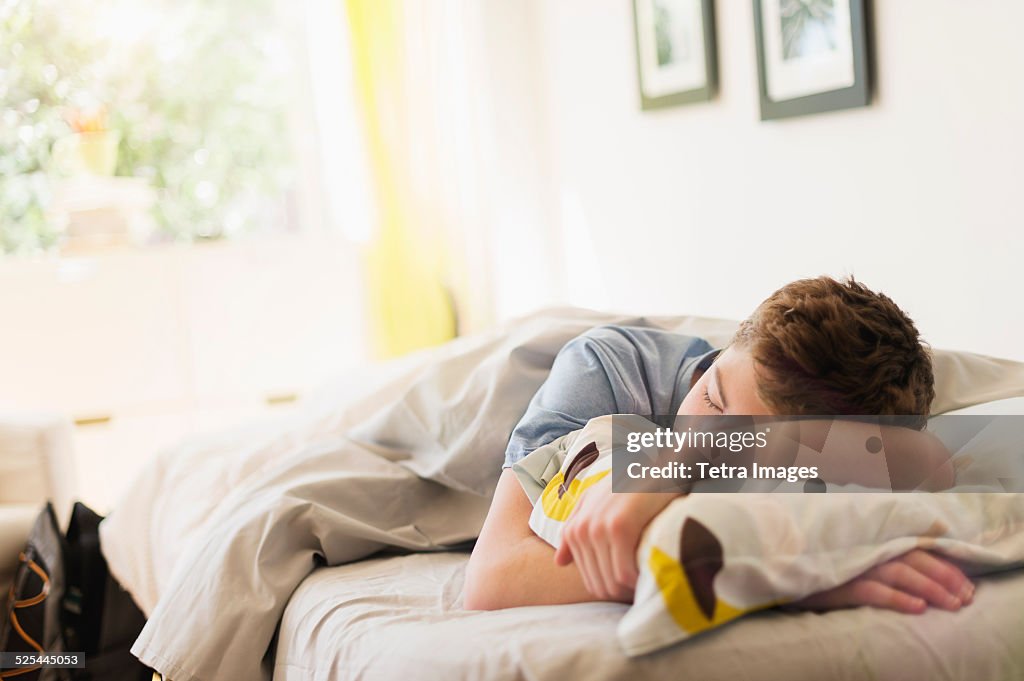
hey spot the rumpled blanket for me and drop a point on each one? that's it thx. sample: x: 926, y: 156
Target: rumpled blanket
x: 214, y: 537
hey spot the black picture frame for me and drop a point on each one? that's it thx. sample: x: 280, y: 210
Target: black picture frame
x: 856, y: 95
x: 704, y: 93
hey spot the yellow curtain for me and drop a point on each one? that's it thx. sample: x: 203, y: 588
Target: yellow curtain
x: 410, y: 307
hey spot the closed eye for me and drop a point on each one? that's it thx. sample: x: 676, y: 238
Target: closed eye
x: 707, y: 401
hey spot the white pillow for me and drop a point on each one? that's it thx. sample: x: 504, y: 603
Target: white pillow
x: 1008, y: 407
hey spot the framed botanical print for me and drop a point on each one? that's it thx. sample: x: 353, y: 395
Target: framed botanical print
x: 675, y: 47
x: 812, y: 56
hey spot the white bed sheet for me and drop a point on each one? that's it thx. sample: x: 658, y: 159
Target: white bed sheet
x: 400, y: 617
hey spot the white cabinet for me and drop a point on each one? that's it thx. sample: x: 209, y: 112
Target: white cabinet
x: 110, y: 454
x: 91, y: 334
x: 143, y: 347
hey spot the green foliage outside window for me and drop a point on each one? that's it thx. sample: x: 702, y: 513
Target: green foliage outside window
x: 196, y: 89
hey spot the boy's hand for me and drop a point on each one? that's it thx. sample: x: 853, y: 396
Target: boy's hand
x: 601, y: 537
x: 909, y: 584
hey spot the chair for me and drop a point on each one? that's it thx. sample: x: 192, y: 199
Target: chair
x: 36, y: 464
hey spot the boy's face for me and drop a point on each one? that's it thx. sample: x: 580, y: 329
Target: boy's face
x: 728, y: 387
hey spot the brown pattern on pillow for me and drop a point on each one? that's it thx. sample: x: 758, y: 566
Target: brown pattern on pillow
x: 586, y: 456
x: 700, y: 553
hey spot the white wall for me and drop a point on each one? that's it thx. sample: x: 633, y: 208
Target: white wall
x: 704, y: 209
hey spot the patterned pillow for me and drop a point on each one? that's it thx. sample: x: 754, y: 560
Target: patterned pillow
x: 709, y: 558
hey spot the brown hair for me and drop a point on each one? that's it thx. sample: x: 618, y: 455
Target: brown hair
x: 827, y: 347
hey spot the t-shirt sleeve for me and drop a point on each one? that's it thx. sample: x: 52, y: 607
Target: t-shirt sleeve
x: 600, y: 372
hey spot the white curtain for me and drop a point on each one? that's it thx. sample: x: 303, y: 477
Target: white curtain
x: 475, y: 147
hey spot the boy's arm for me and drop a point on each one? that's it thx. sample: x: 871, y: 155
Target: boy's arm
x: 512, y: 566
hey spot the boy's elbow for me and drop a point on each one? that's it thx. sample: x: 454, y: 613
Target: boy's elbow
x: 479, y: 597
x: 482, y: 589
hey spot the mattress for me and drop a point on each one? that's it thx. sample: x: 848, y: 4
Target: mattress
x: 400, y: 617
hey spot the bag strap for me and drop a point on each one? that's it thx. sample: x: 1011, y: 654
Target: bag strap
x: 21, y: 604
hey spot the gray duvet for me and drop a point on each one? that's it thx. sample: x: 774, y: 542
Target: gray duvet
x: 232, y: 529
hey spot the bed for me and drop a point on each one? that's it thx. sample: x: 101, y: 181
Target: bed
x: 218, y: 538
x: 389, y: 616
x: 400, y: 617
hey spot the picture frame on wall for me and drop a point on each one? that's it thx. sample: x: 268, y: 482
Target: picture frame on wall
x: 675, y: 49
x: 812, y: 56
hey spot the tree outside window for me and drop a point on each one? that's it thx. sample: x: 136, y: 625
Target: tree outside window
x: 187, y: 98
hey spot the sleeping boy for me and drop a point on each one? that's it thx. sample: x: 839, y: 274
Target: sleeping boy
x: 814, y: 347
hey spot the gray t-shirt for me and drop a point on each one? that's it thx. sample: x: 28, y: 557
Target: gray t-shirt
x: 610, y: 370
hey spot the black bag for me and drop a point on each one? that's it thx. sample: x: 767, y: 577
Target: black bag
x: 64, y: 600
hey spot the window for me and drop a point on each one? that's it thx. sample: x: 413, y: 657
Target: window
x: 142, y: 120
